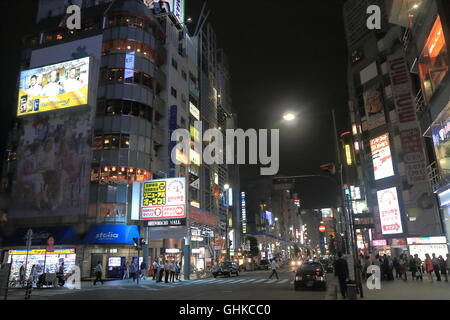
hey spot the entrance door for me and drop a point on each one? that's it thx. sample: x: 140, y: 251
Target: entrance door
x: 95, y: 258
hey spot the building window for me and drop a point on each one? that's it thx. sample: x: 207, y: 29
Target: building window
x: 174, y: 64
x: 118, y: 175
x: 173, y: 92
x: 433, y: 62
x: 130, y: 76
x: 124, y: 107
x: 183, y: 75
x: 124, y: 46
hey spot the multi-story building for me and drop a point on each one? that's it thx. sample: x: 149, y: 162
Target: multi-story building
x: 389, y: 152
x: 75, y: 174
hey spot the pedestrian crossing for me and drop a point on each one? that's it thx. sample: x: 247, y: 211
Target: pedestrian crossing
x: 240, y: 281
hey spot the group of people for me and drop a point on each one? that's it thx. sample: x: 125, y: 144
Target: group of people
x: 432, y: 265
x: 169, y: 270
x: 132, y: 271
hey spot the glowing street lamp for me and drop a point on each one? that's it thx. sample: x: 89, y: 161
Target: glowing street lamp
x: 289, y: 117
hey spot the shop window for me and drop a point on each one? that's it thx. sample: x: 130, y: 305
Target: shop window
x: 433, y: 62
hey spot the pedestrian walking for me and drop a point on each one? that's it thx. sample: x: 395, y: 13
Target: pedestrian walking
x: 436, y: 267
x: 418, y: 266
x: 429, y: 266
x: 172, y: 271
x: 133, y: 271
x: 143, y: 274
x: 33, y: 275
x: 273, y: 266
x: 167, y: 271
x: 443, y: 267
x: 413, y: 267
x: 126, y: 271
x: 98, y: 273
x: 22, y: 274
x: 341, y: 271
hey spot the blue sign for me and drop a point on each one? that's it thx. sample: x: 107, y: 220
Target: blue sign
x: 112, y: 234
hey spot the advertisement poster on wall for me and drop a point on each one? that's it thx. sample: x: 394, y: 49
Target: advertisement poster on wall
x: 373, y: 103
x: 57, y: 86
x: 390, y: 215
x: 381, y: 157
x: 164, y: 199
x: 53, y: 171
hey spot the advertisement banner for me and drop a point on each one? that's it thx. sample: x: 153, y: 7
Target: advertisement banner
x: 373, y: 103
x: 57, y: 86
x: 390, y: 216
x: 164, y: 199
x: 53, y: 170
x: 413, y: 156
x: 382, y: 157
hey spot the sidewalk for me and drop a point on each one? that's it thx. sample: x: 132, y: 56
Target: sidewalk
x: 409, y: 290
x: 397, y: 290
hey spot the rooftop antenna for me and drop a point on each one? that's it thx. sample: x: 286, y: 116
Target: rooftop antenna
x: 201, y: 20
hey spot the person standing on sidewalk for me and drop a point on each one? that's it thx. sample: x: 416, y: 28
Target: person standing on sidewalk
x: 436, y: 267
x: 133, y: 271
x: 403, y: 267
x: 126, y: 271
x: 143, y: 274
x: 155, y: 266
x: 98, y: 273
x: 341, y: 271
x: 177, y: 271
x: 443, y: 266
x: 429, y: 266
x: 418, y: 266
x: 167, y: 271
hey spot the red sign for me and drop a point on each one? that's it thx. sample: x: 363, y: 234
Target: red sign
x: 202, y: 217
x: 390, y: 217
x: 322, y: 229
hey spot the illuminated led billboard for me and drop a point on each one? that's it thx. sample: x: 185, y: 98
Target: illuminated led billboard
x: 382, y: 157
x: 57, y: 86
x: 390, y: 216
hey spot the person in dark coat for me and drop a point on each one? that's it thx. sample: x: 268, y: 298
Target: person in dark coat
x: 341, y: 271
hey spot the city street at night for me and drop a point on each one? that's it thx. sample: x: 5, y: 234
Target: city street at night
x: 259, y: 156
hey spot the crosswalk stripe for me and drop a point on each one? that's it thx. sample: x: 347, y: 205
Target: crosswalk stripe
x: 283, y: 281
x: 261, y: 280
x: 237, y: 281
x: 250, y: 280
x: 272, y: 281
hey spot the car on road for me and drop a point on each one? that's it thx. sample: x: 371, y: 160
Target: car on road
x: 264, y: 265
x: 311, y: 274
x: 226, y: 269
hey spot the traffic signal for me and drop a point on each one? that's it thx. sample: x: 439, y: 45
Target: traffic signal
x: 230, y: 243
x: 329, y: 168
x: 136, y: 242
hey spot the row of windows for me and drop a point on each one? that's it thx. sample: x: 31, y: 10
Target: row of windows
x: 128, y: 21
x: 126, y: 107
x: 140, y: 48
x: 111, y: 142
x: 118, y: 175
x: 121, y: 75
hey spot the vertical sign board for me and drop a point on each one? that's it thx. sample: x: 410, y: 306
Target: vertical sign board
x: 381, y: 157
x: 419, y: 200
x: 390, y: 216
x: 172, y: 144
x: 164, y: 199
x: 243, y: 213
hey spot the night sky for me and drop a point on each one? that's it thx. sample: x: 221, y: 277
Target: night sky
x: 284, y: 56
x: 287, y: 55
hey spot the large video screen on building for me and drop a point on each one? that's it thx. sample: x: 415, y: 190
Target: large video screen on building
x: 57, y: 86
x: 382, y: 157
x: 390, y: 215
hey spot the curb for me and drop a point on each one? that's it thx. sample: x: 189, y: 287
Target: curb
x: 332, y: 290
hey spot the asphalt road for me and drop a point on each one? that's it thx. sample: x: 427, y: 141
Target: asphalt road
x: 247, y: 286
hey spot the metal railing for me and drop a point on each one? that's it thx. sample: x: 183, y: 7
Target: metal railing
x: 420, y: 101
x: 438, y: 177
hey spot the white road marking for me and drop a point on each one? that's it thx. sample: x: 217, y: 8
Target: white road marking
x: 261, y: 280
x: 283, y: 281
x: 272, y: 281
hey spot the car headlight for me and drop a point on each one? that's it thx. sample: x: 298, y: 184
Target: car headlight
x: 293, y: 263
x: 299, y: 263
x: 298, y: 278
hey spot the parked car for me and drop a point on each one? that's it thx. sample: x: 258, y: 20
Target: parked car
x: 264, y: 265
x: 310, y: 274
x: 226, y: 269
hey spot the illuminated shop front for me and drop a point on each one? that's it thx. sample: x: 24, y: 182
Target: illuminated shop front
x: 433, y: 61
x: 423, y: 245
x: 203, y: 252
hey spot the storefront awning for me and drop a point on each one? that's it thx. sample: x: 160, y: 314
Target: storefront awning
x: 62, y: 235
x: 111, y: 234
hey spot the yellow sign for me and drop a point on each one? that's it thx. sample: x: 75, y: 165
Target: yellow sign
x: 348, y: 154
x: 154, y: 193
x: 58, y: 86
